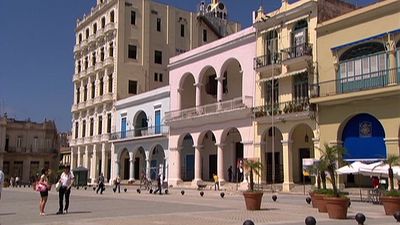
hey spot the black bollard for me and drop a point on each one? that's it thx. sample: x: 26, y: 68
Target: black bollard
x: 151, y: 191
x: 94, y: 188
x: 349, y: 204
x: 248, y: 222
x: 166, y: 191
x: 182, y: 192
x: 85, y: 188
x: 201, y: 193
x: 274, y: 198
x: 310, y: 220
x: 396, y: 215
x: 222, y: 194
x: 138, y: 191
x: 360, y: 218
x: 125, y: 189
x: 308, y: 200
x: 77, y: 187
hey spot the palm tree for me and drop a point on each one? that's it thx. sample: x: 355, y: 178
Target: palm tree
x: 392, y: 160
x: 319, y: 170
x: 331, y: 156
x: 255, y: 167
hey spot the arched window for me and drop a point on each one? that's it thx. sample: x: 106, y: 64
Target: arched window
x: 94, y: 28
x: 271, y: 47
x: 103, y: 22
x: 112, y: 16
x: 111, y: 50
x: 87, y: 33
x: 79, y: 38
x: 93, y: 58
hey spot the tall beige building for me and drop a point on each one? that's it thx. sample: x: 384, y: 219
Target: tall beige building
x: 26, y: 147
x: 122, y: 49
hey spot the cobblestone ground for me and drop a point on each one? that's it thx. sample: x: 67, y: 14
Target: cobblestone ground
x: 20, y: 206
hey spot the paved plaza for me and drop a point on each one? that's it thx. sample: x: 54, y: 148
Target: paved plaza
x: 20, y: 206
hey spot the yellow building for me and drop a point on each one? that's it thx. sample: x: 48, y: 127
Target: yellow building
x: 358, y: 91
x: 285, y: 125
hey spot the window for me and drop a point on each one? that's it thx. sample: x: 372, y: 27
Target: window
x: 93, y: 58
x: 79, y: 38
x: 101, y: 88
x: 86, y: 62
x: 182, y: 30
x: 35, y: 143
x: 109, y: 123
x: 212, y: 85
x: 300, y: 87
x: 112, y: 16
x: 79, y: 66
x: 85, y: 93
x: 132, y: 87
x: 87, y: 33
x: 78, y: 95
x: 204, y: 35
x: 133, y: 17
x: 76, y: 129
x: 110, y: 83
x: 155, y: 76
x: 91, y: 126
x: 111, y: 50
x: 158, y: 77
x: 84, y: 128
x: 94, y: 28
x: 102, y: 54
x: 132, y: 51
x: 157, y: 57
x: 100, y: 127
x: 19, y: 142
x: 158, y: 24
x: 93, y: 91
x: 103, y: 22
x: 269, y: 87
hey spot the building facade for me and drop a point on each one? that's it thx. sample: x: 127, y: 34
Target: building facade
x: 64, y: 149
x: 26, y: 147
x: 358, y: 91
x: 141, y: 144
x: 210, y: 121
x: 122, y: 49
x: 285, y: 127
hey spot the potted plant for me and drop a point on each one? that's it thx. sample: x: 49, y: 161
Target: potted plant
x: 252, y: 197
x: 336, y: 203
x: 318, y: 194
x: 391, y: 199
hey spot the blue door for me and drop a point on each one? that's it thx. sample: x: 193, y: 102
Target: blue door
x: 189, y: 167
x: 153, y: 169
x: 158, y: 122
x: 123, y: 127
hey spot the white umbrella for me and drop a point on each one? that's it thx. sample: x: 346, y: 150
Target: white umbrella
x: 380, y: 170
x: 353, y: 168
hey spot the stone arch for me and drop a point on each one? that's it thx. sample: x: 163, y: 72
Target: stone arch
x: 124, y: 164
x: 139, y: 159
x: 187, y: 91
x: 271, y: 146
x: 186, y: 149
x: 362, y: 50
x: 232, y: 73
x: 233, y: 152
x: 207, y: 141
x: 140, y: 123
x: 157, y: 161
x: 209, y: 84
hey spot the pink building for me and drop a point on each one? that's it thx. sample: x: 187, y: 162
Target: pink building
x: 212, y: 95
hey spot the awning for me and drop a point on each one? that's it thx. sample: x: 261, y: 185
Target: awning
x: 282, y: 75
x: 365, y: 40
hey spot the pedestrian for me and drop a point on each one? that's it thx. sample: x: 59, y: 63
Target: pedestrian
x: 12, y: 182
x: 66, y: 180
x: 17, y: 181
x: 375, y: 182
x: 216, y: 183
x: 100, y: 184
x: 1, y: 181
x: 158, y: 184
x: 43, y: 186
x: 117, y: 184
x: 230, y: 174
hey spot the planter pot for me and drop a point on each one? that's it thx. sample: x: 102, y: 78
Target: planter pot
x: 253, y: 200
x: 337, y: 207
x: 391, y: 204
x: 320, y: 203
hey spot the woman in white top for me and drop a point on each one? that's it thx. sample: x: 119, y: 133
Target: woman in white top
x: 66, y: 180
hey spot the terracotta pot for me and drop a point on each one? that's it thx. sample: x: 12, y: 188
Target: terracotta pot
x: 320, y: 203
x: 253, y: 200
x: 337, y: 207
x: 313, y: 201
x: 391, y: 204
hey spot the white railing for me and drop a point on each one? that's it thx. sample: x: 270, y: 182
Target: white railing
x: 109, y: 61
x: 92, y: 38
x: 96, y: 138
x: 234, y: 104
x: 99, y: 65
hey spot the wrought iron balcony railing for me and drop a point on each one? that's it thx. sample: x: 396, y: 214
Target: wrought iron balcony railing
x: 140, y: 132
x: 301, y: 105
x: 304, y: 49
x: 234, y: 104
x: 367, y: 81
x: 266, y: 60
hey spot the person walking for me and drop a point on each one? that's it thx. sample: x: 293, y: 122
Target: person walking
x: 216, y: 182
x: 43, y: 187
x: 100, y: 184
x: 1, y: 181
x: 66, y: 180
x: 117, y: 184
x: 16, y: 181
x: 230, y: 174
x: 12, y: 182
x: 158, y: 184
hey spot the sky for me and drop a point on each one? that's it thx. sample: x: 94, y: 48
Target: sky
x: 36, y: 53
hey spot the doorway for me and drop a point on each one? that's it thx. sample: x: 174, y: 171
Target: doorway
x: 303, y: 153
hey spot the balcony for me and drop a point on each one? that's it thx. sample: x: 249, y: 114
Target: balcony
x: 215, y: 108
x: 90, y: 70
x: 105, y: 137
x: 99, y: 66
x: 77, y: 48
x: 291, y: 110
x: 79, y: 141
x: 97, y: 100
x: 267, y: 60
x: 75, y: 77
x: 100, y: 33
x: 363, y: 82
x: 72, y: 142
x: 107, y: 97
x: 109, y: 27
x: 74, y: 108
x: 81, y: 105
x: 141, y: 132
x: 88, y: 140
x: 96, y: 138
x: 109, y: 61
x: 297, y: 53
x: 89, y: 102
x: 92, y: 39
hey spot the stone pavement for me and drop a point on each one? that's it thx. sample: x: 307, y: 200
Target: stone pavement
x: 20, y: 206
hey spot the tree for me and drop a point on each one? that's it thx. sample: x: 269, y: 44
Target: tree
x: 254, y: 167
x: 332, y: 156
x: 392, y: 160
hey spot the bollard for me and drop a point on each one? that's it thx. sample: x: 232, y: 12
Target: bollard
x: 308, y: 200
x: 248, y: 222
x: 151, y: 191
x: 396, y: 215
x: 349, y: 204
x: 310, y: 220
x: 274, y: 198
x: 360, y: 218
x: 166, y: 191
x: 182, y: 192
x: 201, y: 193
x: 85, y: 188
x: 138, y: 191
x: 125, y: 189
x: 222, y: 194
x: 94, y: 188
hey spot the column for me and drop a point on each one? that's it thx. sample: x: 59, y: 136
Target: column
x: 78, y: 153
x: 103, y: 159
x: 86, y: 158
x: 392, y: 60
x: 94, y: 164
x: 116, y: 164
x: 180, y: 93
x: 72, y: 164
x: 197, y: 164
x: 220, y: 163
x: 220, y: 88
x: 131, y: 166
x: 198, y: 93
x: 174, y: 166
x: 147, y: 167
x: 287, y: 165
